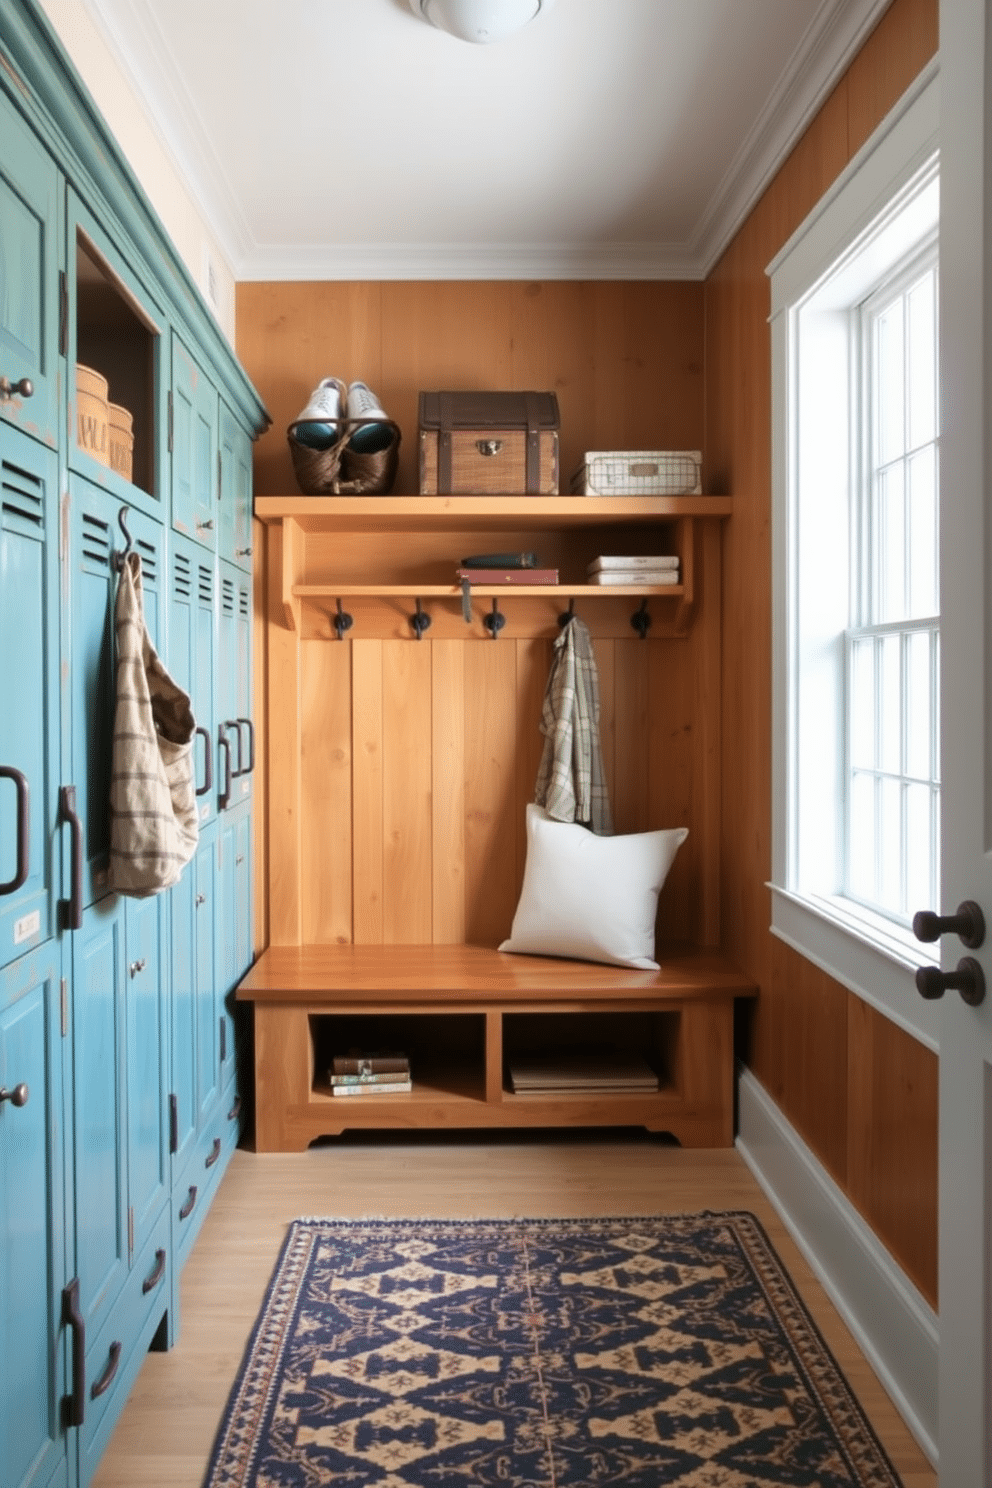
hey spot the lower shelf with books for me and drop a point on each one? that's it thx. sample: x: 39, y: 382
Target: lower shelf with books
x: 608, y: 1046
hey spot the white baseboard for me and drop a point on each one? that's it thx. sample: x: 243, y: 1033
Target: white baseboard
x: 892, y: 1322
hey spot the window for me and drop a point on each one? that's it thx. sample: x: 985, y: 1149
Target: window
x: 856, y: 770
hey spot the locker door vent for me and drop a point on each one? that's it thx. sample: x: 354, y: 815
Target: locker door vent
x: 182, y: 577
x: 149, y: 560
x: 97, y: 541
x: 244, y: 601
x: 205, y: 587
x: 23, y: 500
x: 227, y: 597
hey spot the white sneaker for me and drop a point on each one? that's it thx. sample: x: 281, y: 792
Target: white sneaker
x: 317, y: 425
x: 370, y: 438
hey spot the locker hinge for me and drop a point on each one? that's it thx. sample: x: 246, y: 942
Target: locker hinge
x: 63, y: 314
x: 223, y: 1039
x: 130, y: 1231
x: 170, y: 421
x: 173, y: 1123
x: 64, y: 1006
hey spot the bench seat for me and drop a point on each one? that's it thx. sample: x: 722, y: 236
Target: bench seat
x: 463, y: 1011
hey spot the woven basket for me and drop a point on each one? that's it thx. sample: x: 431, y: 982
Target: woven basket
x: 343, y: 471
x: 92, y: 424
x: 121, y: 440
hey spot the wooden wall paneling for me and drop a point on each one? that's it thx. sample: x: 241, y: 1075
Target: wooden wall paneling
x: 629, y: 709
x: 892, y: 1140
x: 448, y: 791
x: 325, y: 774
x: 707, y: 793
x: 671, y: 771
x: 283, y: 758
x: 289, y: 337
x: 605, y: 653
x: 491, y: 874
x: 439, y: 335
x: 902, y: 43
x: 367, y: 780
x: 533, y: 667
x: 407, y: 886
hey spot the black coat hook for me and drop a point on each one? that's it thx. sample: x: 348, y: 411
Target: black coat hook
x: 342, y: 622
x: 641, y: 620
x: 120, y: 556
x: 421, y: 621
x: 569, y: 614
x: 494, y: 621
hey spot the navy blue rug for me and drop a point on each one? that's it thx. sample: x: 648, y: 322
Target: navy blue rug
x: 539, y: 1354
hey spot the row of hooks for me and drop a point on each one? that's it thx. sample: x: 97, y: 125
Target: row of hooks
x: 493, y: 621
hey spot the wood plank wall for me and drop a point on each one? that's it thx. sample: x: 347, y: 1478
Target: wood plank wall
x: 862, y: 1093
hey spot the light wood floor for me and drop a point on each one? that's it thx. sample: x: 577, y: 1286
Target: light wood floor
x: 164, y: 1436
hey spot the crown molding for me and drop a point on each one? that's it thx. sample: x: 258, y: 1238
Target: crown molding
x: 470, y: 261
x: 833, y: 39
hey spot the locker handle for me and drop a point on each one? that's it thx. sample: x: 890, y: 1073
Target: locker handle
x: 235, y: 1110
x: 187, y: 1208
x: 214, y: 1154
x: 103, y: 1384
x: 247, y: 723
x: 208, y: 763
x: 73, y: 906
x: 151, y: 1282
x: 7, y: 772
x: 232, y: 725
x: 224, y: 795
x: 71, y: 1315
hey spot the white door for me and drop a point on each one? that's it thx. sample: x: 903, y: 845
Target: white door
x: 966, y: 738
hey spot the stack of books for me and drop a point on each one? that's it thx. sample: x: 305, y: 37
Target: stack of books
x: 598, y: 1073
x: 504, y: 568
x: 616, y: 569
x: 370, y: 1074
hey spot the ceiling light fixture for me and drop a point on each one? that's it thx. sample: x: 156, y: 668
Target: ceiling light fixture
x: 480, y: 20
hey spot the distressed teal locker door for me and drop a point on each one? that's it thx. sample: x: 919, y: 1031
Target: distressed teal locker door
x: 29, y: 280
x: 33, y: 1443
x: 146, y: 983
x: 234, y: 534
x: 96, y: 536
x: 29, y: 717
x: 195, y: 476
x: 99, y: 1110
x: 205, y: 918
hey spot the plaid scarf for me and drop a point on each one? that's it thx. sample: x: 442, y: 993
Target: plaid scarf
x: 570, y: 782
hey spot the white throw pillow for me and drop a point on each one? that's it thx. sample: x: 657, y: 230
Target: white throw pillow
x: 591, y: 898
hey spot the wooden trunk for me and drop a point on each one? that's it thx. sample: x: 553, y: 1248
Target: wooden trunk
x: 488, y: 444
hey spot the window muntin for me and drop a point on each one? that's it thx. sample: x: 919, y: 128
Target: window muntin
x: 892, y: 648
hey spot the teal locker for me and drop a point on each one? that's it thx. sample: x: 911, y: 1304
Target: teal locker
x: 29, y: 636
x: 193, y: 442
x: 29, y: 277
x: 33, y: 1441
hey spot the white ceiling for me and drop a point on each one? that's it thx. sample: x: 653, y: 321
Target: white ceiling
x: 348, y: 139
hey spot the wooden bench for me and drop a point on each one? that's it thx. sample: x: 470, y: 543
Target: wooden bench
x: 461, y: 1012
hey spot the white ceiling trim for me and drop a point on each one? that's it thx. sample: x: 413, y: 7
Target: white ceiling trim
x: 472, y: 262
x: 831, y: 41
x: 835, y: 36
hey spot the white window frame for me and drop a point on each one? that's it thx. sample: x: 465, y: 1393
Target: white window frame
x: 856, y: 233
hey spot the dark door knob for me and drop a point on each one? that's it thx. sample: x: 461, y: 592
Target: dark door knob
x: 968, y: 924
x: 966, y: 978
x: 17, y: 1097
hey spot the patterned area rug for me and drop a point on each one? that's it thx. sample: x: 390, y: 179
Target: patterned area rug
x: 542, y: 1354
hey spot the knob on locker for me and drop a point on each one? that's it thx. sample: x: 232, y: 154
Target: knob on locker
x: 966, y: 978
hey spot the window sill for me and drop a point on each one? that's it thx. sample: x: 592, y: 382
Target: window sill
x: 877, y: 965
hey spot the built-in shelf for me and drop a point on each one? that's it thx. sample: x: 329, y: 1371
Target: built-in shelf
x: 333, y: 547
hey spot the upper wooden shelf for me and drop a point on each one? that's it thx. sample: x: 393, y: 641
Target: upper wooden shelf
x: 458, y: 513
